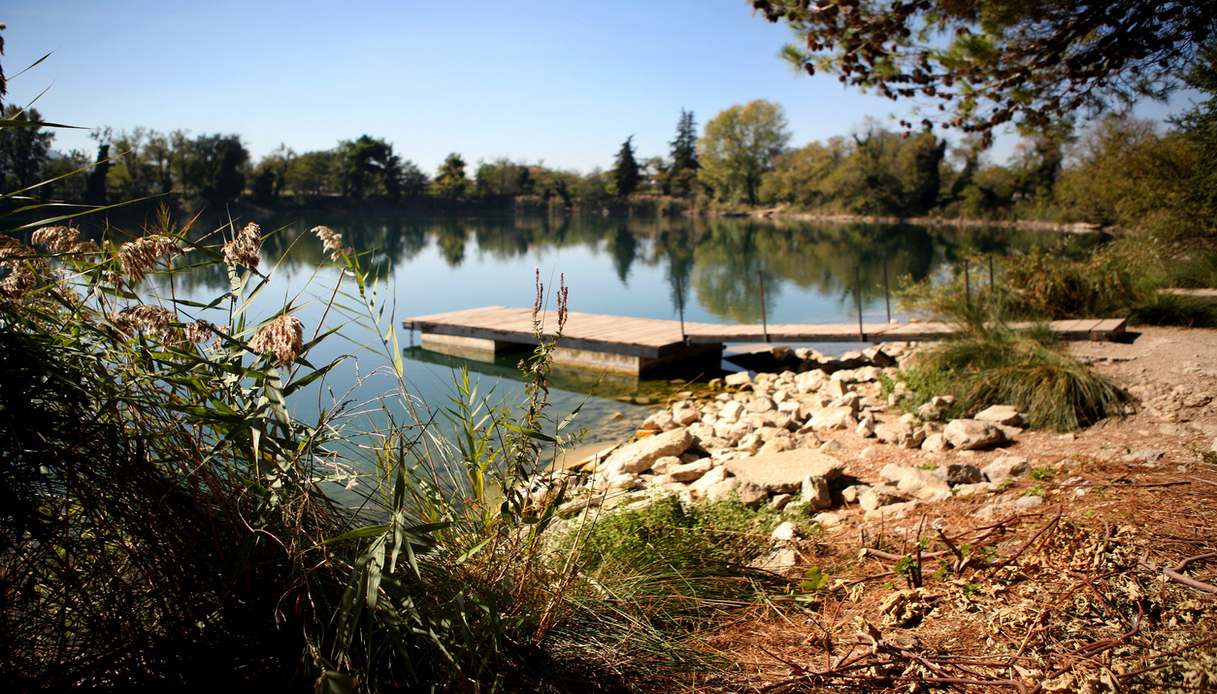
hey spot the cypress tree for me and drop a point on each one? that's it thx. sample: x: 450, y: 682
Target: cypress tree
x: 625, y: 170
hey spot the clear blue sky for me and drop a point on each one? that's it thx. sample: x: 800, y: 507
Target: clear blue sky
x: 564, y: 81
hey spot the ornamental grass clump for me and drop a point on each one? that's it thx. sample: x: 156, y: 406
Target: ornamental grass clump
x: 995, y: 365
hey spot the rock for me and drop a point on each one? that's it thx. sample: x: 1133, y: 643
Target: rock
x: 810, y: 381
x: 659, y: 421
x: 1023, y: 503
x: 640, y: 455
x: 866, y: 427
x: 966, y: 490
x: 834, y: 418
x: 665, y: 463
x: 898, y: 434
x: 751, y: 495
x: 891, y: 510
x: 835, y: 389
x: 701, y: 431
x: 970, y: 434
x: 1005, y: 467
x: 741, y: 378
x: 922, y: 484
x: 624, y: 480
x: 815, y: 492
x: 684, y: 416
x: 851, y: 400
x: 935, y: 407
x: 780, y: 561
x: 934, y: 443
x: 785, y: 532
x: 879, y: 357
x: 715, y: 384
x: 759, y: 405
x: 784, y: 472
x: 709, y: 479
x: 879, y: 495
x: 731, y: 412
x: 721, y: 491
x: 690, y: 471
x: 790, y: 407
x: 779, y: 501
x: 866, y: 374
x: 850, y: 493
x: 963, y: 473
x: 776, y: 445
x: 828, y: 519
x: 1145, y: 455
x: 830, y: 446
x: 1000, y: 414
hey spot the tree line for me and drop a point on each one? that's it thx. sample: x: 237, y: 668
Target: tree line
x: 1118, y: 171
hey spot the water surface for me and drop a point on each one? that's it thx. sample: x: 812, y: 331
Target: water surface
x: 707, y: 270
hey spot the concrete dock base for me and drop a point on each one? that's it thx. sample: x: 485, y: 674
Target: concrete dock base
x: 690, y: 357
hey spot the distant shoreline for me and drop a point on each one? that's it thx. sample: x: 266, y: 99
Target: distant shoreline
x: 928, y: 221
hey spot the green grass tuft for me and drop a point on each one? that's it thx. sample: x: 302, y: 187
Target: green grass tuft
x: 998, y: 366
x: 1163, y: 308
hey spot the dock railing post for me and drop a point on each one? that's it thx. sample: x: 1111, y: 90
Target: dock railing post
x: 887, y: 292
x: 858, y: 301
x: 760, y: 276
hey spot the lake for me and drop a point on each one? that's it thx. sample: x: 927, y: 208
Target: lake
x: 711, y: 269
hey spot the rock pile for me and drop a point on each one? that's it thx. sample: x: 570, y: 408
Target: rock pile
x: 760, y: 440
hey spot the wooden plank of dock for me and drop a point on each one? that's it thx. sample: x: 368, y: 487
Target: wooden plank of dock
x: 654, y: 338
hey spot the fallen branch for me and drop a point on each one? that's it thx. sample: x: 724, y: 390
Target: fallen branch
x: 1176, y: 573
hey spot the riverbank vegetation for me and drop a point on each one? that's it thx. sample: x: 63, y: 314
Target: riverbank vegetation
x: 169, y: 521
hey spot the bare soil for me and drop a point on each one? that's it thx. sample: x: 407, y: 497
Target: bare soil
x: 1067, y: 595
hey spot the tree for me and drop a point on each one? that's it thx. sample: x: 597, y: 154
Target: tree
x: 625, y: 169
x: 450, y: 181
x: 276, y: 163
x: 1001, y: 60
x: 918, y: 166
x: 738, y: 147
x: 218, y: 168
x: 368, y: 165
x: 412, y: 182
x: 95, y: 185
x: 502, y: 177
x: 24, y: 150
x: 683, y: 172
x: 310, y: 174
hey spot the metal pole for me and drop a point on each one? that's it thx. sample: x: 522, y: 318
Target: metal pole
x: 992, y: 285
x: 967, y: 285
x: 858, y: 301
x: 681, y: 307
x: 887, y: 293
x: 760, y: 276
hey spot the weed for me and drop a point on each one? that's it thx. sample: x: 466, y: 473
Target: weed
x: 1034, y: 490
x: 1041, y: 473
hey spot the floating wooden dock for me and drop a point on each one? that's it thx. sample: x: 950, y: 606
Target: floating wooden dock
x: 637, y: 345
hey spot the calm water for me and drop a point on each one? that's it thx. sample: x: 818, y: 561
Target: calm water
x: 711, y: 268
